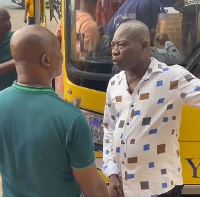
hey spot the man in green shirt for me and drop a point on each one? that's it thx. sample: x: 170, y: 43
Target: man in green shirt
x: 7, y: 66
x: 46, y: 147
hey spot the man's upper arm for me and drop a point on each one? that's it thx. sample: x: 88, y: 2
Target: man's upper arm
x: 189, y: 88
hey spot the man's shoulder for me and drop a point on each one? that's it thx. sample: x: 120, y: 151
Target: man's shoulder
x: 64, y: 106
x: 85, y: 21
x: 173, y: 71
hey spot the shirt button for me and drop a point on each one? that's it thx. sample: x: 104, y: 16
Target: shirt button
x: 132, y: 105
x: 127, y: 123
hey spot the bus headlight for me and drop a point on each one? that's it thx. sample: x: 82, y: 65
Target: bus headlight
x: 96, y: 124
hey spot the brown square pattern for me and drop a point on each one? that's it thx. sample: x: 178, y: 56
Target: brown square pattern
x: 132, y: 141
x: 173, y: 85
x: 132, y: 113
x: 132, y: 160
x: 161, y: 148
x: 106, y: 125
x: 144, y: 96
x: 118, y: 99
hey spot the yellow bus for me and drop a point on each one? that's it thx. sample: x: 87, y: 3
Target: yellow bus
x: 86, y: 76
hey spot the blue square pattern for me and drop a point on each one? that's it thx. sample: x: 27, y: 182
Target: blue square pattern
x: 197, y: 89
x: 164, y: 185
x: 151, y: 165
x: 159, y: 83
x: 130, y: 176
x: 137, y: 113
x: 107, y: 152
x: 161, y: 100
x: 153, y: 131
x: 105, y: 167
x: 146, y: 147
x: 165, y: 69
x: 165, y: 119
x: 117, y: 149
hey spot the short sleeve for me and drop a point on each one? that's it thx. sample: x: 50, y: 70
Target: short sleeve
x: 27, y: 1
x: 79, y: 144
x: 189, y: 88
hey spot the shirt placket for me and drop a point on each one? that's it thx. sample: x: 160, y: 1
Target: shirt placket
x: 127, y: 129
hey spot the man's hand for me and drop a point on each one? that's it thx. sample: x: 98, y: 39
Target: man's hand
x: 162, y: 38
x: 25, y: 19
x: 115, y: 187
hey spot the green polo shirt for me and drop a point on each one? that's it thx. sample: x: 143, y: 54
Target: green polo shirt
x: 42, y: 138
x: 8, y: 78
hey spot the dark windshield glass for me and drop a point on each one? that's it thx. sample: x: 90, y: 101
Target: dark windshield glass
x: 173, y: 27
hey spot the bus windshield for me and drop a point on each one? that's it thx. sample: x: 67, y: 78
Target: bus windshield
x: 173, y: 27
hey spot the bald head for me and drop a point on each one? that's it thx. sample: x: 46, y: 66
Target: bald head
x: 30, y: 43
x: 36, y: 52
x: 134, y: 29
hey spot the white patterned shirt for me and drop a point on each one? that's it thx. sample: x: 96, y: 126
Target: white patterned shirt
x: 141, y: 130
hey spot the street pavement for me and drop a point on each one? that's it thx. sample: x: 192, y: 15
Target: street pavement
x: 17, y: 17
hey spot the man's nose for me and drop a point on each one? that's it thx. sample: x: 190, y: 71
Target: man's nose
x: 115, y: 51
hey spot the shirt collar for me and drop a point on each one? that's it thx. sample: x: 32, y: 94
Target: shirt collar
x: 154, y: 67
x: 37, y: 90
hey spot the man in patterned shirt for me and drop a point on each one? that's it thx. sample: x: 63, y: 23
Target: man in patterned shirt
x: 142, y: 118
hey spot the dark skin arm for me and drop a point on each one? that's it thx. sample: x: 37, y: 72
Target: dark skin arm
x: 7, y: 66
x: 90, y: 182
x: 26, y: 11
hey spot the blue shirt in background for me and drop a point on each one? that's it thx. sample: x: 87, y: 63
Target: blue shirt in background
x: 143, y: 10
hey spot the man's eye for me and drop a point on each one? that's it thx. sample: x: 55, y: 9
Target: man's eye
x: 122, y: 45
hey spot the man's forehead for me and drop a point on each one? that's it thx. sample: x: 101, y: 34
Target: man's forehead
x: 122, y: 37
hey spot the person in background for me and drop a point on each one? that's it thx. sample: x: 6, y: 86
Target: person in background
x: 29, y: 12
x: 190, y: 10
x: 136, y: 9
x: 87, y: 29
x: 169, y: 55
x: 105, y: 11
x: 46, y: 145
x: 7, y: 66
x: 142, y: 118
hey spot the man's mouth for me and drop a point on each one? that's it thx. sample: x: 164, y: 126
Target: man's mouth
x: 115, y: 61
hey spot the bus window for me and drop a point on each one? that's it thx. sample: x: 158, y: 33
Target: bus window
x: 173, y: 27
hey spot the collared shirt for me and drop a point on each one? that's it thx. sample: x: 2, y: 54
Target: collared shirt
x: 141, y: 130
x: 42, y: 139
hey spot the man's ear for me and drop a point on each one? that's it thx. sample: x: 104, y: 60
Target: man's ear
x: 144, y: 44
x: 45, y: 61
